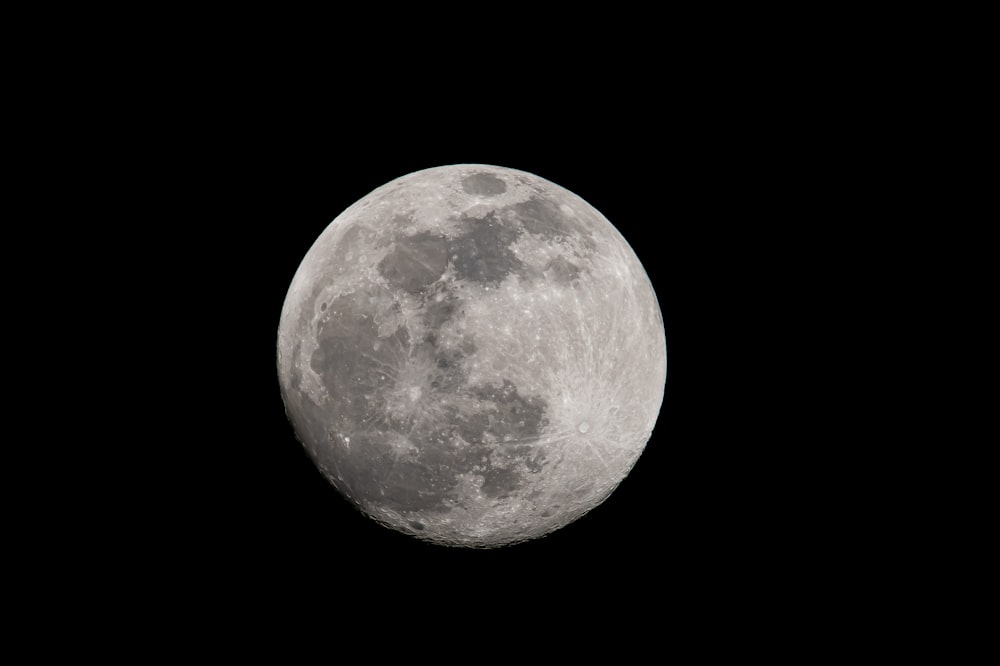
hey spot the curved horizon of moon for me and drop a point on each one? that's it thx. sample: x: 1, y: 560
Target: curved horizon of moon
x: 472, y: 355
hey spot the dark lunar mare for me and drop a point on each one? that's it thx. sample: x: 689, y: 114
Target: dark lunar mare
x: 562, y: 271
x: 415, y: 262
x: 498, y: 441
x: 495, y: 442
x: 482, y: 252
x: 542, y: 217
x: 484, y: 184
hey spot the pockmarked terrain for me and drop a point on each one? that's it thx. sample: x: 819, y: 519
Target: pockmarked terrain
x: 472, y: 355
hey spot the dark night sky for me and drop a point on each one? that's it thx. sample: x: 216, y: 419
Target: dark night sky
x: 201, y: 167
x: 691, y: 186
x: 686, y: 490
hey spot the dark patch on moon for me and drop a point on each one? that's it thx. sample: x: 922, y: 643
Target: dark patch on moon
x: 411, y: 485
x: 438, y: 307
x: 449, y: 361
x: 295, y: 380
x: 532, y: 457
x: 358, y: 431
x: 544, y: 218
x: 485, y: 184
x: 500, y: 481
x: 562, y: 271
x: 406, y: 453
x: 415, y: 262
x: 516, y: 417
x: 347, y: 362
x: 482, y: 253
x: 502, y: 434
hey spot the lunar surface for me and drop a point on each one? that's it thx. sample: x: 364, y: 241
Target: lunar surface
x: 472, y: 355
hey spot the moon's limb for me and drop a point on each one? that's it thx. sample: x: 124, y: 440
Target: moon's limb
x: 473, y: 355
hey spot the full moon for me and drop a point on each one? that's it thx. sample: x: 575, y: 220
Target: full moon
x: 472, y: 355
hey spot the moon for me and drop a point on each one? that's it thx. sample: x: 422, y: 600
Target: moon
x: 472, y: 355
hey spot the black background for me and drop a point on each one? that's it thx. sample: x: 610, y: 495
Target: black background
x: 198, y: 157
x: 696, y: 507
x: 706, y: 186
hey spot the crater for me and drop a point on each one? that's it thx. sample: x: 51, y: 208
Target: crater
x: 483, y: 184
